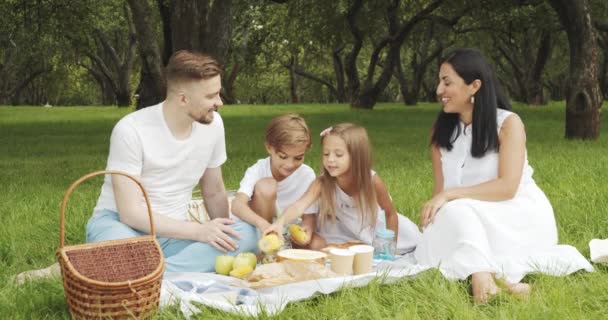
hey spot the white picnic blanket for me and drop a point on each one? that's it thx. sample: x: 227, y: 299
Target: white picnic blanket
x: 219, y: 292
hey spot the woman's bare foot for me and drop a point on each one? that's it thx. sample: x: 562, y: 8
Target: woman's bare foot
x: 519, y: 290
x: 484, y: 287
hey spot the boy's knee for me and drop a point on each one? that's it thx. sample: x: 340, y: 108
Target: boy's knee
x: 266, y: 188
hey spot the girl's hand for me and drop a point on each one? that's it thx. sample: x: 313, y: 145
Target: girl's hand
x: 302, y: 244
x: 276, y: 227
x: 430, y: 208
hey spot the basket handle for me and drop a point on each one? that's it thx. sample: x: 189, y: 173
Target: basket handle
x: 64, y: 202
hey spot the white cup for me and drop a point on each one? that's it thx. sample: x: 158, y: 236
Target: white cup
x: 342, y: 261
x: 364, y: 256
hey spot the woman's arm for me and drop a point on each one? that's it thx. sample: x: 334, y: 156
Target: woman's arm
x: 385, y: 202
x: 437, y: 169
x: 297, y: 208
x: 511, y: 158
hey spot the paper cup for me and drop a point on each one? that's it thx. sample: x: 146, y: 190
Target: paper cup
x: 364, y: 255
x: 342, y: 261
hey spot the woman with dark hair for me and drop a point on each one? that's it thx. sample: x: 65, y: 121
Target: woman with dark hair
x: 487, y: 218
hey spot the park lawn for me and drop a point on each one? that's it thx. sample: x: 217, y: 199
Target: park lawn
x: 43, y: 150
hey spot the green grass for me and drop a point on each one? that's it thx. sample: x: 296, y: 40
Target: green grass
x: 43, y: 150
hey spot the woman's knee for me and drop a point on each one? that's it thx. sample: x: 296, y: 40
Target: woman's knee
x: 453, y: 212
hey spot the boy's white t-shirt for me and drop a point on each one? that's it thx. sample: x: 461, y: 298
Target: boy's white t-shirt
x: 142, y: 145
x: 289, y: 190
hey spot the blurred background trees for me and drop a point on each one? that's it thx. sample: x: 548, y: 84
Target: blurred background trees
x: 111, y: 52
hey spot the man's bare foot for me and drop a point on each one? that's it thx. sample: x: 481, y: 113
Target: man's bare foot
x: 51, y: 271
x: 484, y: 287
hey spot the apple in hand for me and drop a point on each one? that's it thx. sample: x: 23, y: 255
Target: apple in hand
x: 299, y: 234
x: 224, y: 264
x: 270, y: 243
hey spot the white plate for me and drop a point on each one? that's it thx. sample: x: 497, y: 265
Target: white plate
x: 599, y: 250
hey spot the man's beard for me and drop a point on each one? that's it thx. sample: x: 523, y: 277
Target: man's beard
x: 206, y: 119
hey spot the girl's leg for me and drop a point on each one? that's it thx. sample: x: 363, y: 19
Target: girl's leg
x: 317, y: 242
x: 264, y: 198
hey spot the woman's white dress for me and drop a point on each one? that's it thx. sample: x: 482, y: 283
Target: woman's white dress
x: 510, y: 238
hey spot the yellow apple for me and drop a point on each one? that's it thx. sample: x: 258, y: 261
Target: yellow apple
x: 241, y: 272
x: 245, y: 259
x: 270, y: 243
x: 298, y: 234
x: 223, y: 264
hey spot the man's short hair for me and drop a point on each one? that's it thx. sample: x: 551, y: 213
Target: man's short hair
x: 186, y: 65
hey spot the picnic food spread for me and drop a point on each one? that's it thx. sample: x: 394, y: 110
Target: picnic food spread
x: 280, y: 264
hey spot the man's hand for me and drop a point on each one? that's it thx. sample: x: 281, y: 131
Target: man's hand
x: 217, y: 233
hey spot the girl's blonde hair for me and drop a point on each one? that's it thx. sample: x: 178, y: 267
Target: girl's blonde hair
x: 359, y: 148
x: 288, y: 130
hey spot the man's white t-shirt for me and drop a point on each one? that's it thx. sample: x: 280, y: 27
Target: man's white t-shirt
x: 289, y: 189
x: 142, y: 145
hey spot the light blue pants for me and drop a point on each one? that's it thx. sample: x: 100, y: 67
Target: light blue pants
x: 180, y: 255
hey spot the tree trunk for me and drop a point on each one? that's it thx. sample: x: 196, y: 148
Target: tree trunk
x: 365, y: 100
x: 341, y: 95
x: 151, y: 88
x: 218, y: 33
x: 534, y: 91
x: 228, y: 94
x: 165, y: 8
x: 583, y: 98
x: 293, y: 81
x: 365, y: 97
x: 185, y: 22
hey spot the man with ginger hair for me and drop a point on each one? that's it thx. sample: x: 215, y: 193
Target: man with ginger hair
x: 171, y: 147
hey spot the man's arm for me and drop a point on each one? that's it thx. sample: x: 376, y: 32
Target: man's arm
x: 128, y: 196
x: 213, y: 192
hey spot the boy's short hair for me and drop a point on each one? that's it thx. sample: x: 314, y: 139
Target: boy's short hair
x: 186, y: 65
x: 288, y: 130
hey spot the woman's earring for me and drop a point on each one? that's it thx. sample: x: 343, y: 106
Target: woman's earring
x: 472, y: 99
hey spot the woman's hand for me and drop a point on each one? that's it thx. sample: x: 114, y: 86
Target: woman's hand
x: 276, y: 227
x: 430, y: 208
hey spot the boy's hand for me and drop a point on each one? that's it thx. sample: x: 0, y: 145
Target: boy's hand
x: 263, y: 225
x: 274, y: 228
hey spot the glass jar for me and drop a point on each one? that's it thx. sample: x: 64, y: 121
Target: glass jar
x: 384, y: 244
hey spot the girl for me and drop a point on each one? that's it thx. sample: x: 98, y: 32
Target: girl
x: 349, y: 194
x: 487, y: 217
x: 275, y: 182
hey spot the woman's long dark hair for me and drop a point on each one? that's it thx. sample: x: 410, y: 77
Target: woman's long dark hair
x: 470, y: 65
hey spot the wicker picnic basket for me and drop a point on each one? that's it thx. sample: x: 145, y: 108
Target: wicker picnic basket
x: 118, y: 279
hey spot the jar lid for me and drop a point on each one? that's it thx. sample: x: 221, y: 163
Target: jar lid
x: 385, y: 233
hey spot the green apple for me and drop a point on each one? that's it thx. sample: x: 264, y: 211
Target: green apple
x: 224, y: 264
x: 245, y: 259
